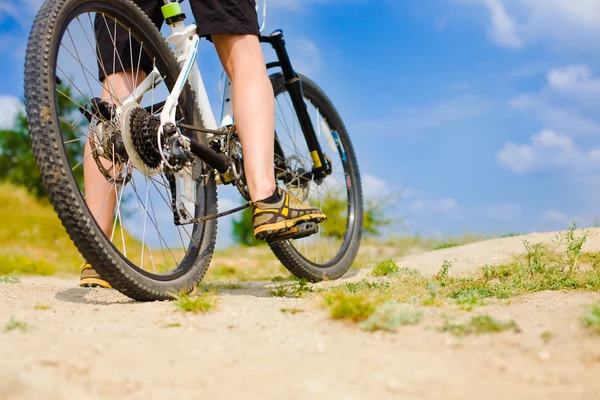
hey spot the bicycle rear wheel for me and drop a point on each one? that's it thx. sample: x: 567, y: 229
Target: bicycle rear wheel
x: 144, y: 254
x: 331, y: 252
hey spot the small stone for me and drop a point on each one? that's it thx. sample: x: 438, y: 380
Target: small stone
x: 544, y: 355
x: 393, y: 385
x: 80, y: 367
x: 321, y: 346
x: 49, y: 362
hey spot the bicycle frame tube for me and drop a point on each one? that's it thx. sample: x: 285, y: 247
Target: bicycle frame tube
x: 293, y: 84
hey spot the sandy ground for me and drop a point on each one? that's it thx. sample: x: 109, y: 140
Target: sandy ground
x: 96, y: 344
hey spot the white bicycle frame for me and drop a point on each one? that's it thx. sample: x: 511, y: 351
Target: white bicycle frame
x: 186, y: 43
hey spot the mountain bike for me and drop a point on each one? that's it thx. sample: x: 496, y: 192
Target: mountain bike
x: 164, y: 155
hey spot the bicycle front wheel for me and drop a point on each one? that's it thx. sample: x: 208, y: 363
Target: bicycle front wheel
x: 331, y: 252
x: 129, y: 235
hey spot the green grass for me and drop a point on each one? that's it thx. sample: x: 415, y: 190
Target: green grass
x: 10, y: 279
x: 299, y: 288
x: 384, y: 268
x: 292, y: 311
x: 280, y: 291
x: 42, y: 306
x: 546, y: 336
x: 349, y: 306
x: 446, y: 245
x: 172, y: 325
x: 538, y: 269
x: 222, y: 286
x: 389, y: 317
x: 195, y: 302
x: 15, y: 324
x: 36, y: 243
x: 591, y: 317
x: 478, y: 325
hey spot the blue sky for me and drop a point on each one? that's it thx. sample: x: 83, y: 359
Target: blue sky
x: 481, y: 113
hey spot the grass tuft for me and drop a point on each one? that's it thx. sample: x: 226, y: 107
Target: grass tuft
x: 478, y: 325
x: 9, y: 279
x: 443, y: 272
x: 292, y: 311
x: 354, y: 307
x: 14, y: 324
x: 301, y: 287
x: 42, y: 306
x: 591, y: 317
x: 196, y: 302
x: 280, y: 291
x: 389, y: 317
x: 387, y: 267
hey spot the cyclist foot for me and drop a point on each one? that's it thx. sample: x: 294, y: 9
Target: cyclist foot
x: 89, y: 278
x: 285, y: 217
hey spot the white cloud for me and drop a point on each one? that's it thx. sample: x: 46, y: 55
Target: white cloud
x: 573, y: 78
x: 554, y: 216
x: 10, y: 107
x: 564, y: 24
x: 562, y: 119
x: 547, y: 150
x: 502, y: 30
x: 374, y: 187
x: 446, y: 206
x: 502, y: 212
x: 306, y: 55
x: 405, y: 120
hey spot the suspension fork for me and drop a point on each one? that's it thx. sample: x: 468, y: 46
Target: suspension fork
x: 293, y: 84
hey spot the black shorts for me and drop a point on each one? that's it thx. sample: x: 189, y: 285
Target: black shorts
x: 231, y: 17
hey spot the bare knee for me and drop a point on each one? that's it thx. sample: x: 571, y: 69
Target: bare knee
x: 240, y: 54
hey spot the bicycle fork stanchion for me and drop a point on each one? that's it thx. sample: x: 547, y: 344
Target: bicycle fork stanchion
x: 293, y: 84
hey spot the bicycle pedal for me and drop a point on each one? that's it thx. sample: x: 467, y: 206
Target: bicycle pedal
x: 299, y: 231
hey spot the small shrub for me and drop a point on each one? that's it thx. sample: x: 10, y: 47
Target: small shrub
x: 195, y: 302
x: 546, y: 336
x: 478, y: 325
x: 355, y: 287
x: 349, y: 306
x: 14, y: 324
x: 389, y: 317
x: 433, y: 291
x: 9, y: 279
x: 301, y: 287
x: 292, y: 311
x: 280, y: 291
x: 573, y: 245
x: 469, y: 299
x: 443, y: 272
x: 591, y: 317
x: 385, y: 268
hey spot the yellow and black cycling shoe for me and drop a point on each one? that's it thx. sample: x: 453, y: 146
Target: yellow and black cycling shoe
x: 285, y: 217
x: 89, y: 278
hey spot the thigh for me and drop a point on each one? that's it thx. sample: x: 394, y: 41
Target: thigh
x: 113, y: 41
x: 231, y: 17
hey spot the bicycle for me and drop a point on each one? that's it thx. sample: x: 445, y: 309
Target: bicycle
x: 163, y: 154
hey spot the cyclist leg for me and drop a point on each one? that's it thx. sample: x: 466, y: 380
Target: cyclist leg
x: 118, y: 79
x: 253, y: 107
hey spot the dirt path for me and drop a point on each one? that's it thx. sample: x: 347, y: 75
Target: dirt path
x: 98, y: 344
